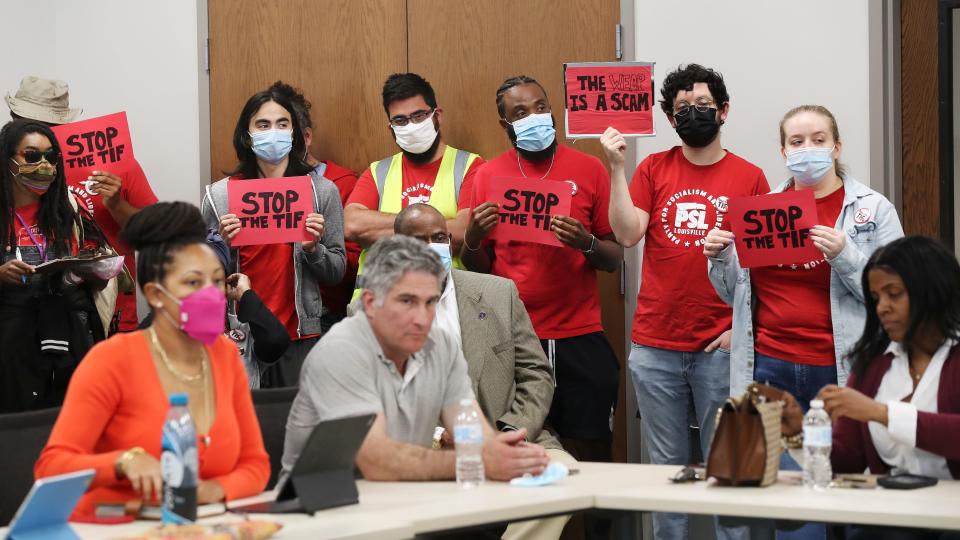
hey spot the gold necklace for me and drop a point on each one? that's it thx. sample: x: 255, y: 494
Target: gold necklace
x: 190, y: 379
x: 184, y: 379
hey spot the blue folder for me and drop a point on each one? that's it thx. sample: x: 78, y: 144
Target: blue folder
x: 44, y: 512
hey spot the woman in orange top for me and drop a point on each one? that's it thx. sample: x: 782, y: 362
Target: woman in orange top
x: 117, y: 400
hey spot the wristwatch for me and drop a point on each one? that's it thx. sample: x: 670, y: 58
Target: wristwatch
x: 120, y: 467
x: 793, y: 442
x: 593, y: 246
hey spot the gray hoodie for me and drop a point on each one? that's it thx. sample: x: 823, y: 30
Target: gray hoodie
x: 324, y: 267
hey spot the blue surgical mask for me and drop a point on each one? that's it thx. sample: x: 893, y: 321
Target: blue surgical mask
x: 809, y: 165
x: 272, y: 145
x: 535, y: 132
x: 443, y: 250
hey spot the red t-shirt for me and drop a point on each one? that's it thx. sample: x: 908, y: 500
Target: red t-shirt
x: 31, y: 243
x: 135, y: 190
x: 418, y: 183
x: 677, y: 308
x: 336, y: 298
x: 793, y: 320
x: 557, y: 284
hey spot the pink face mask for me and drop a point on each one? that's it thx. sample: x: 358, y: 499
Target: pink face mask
x: 202, y: 313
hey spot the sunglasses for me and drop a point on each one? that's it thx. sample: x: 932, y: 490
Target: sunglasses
x: 34, y: 156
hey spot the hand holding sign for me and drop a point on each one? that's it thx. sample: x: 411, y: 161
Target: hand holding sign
x: 828, y: 240
x: 229, y: 227
x: 314, y: 227
x: 483, y: 219
x: 105, y: 184
x: 774, y: 229
x: 716, y: 241
x: 271, y: 211
x: 615, y: 147
x: 571, y: 232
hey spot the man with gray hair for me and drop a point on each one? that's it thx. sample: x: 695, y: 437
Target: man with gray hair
x: 386, y: 359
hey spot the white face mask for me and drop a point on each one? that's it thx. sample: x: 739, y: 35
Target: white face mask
x: 416, y: 138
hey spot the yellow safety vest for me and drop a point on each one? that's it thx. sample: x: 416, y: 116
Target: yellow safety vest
x: 388, y: 175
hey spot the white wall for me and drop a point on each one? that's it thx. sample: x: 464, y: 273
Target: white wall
x: 773, y: 56
x: 141, y: 57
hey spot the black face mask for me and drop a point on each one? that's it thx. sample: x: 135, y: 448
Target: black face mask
x: 698, y: 129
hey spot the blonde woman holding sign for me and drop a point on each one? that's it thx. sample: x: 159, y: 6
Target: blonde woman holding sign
x: 793, y: 325
x: 805, y: 317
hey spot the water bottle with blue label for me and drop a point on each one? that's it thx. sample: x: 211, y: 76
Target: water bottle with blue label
x: 178, y: 464
x: 468, y: 438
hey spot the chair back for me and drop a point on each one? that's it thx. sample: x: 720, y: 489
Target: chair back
x: 22, y: 437
x: 272, y: 406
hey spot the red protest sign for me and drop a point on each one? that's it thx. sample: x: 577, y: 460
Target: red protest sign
x: 605, y: 94
x: 95, y: 144
x: 271, y: 210
x: 774, y: 229
x: 526, y: 208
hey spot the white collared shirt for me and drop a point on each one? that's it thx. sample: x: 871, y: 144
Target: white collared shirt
x: 896, y: 443
x: 448, y: 314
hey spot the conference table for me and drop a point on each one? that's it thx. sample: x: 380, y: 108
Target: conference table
x: 398, y: 510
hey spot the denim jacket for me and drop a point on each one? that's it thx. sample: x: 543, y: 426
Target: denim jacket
x: 870, y: 221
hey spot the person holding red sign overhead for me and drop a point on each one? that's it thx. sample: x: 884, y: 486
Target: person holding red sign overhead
x: 794, y: 325
x: 269, y: 143
x: 48, y: 320
x: 680, y: 356
x: 110, y: 198
x: 558, y: 285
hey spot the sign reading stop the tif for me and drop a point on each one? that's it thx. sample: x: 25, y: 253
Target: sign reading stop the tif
x: 774, y: 229
x: 609, y: 94
x: 271, y: 210
x: 101, y: 143
x: 526, y: 208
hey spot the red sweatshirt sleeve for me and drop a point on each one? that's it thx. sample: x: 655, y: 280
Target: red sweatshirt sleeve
x: 90, y: 402
x: 939, y: 433
x: 252, y: 471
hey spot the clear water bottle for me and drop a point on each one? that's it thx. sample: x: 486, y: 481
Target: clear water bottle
x: 468, y: 437
x: 178, y: 464
x: 817, y: 441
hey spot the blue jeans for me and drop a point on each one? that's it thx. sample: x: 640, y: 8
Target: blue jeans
x: 801, y: 380
x: 668, y: 383
x: 804, y: 382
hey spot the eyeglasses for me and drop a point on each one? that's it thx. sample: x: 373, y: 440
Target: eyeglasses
x: 688, y: 474
x: 436, y: 238
x: 683, y: 108
x: 416, y: 117
x: 34, y: 156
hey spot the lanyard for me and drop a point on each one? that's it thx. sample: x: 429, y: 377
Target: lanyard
x: 43, y: 248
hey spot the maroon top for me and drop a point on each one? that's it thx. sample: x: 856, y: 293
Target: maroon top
x: 938, y: 433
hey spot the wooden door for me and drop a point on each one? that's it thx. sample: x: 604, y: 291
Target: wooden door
x: 338, y: 52
x: 919, y: 117
x: 467, y: 49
